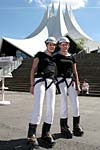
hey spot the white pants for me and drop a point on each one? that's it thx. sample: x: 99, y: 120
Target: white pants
x: 71, y: 91
x: 39, y: 94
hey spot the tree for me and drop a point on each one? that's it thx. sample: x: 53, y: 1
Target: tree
x: 80, y: 43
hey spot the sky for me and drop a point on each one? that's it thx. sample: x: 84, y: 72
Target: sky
x: 19, y: 18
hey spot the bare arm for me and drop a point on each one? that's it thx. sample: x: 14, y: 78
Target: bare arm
x: 32, y: 74
x: 77, y: 78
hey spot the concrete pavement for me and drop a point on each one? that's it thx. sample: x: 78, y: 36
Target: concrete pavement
x: 14, y: 119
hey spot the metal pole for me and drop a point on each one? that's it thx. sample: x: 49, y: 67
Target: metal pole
x: 3, y: 102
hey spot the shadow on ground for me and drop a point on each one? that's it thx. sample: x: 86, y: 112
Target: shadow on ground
x: 59, y: 136
x: 21, y: 144
x: 18, y: 144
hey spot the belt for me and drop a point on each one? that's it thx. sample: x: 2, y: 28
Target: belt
x: 44, y: 79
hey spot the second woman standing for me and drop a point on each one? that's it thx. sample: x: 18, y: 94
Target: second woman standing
x: 68, y: 81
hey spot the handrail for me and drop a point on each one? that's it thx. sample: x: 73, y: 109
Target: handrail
x: 80, y: 55
x: 10, y: 66
x: 4, y: 73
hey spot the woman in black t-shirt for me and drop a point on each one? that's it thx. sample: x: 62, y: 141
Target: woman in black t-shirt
x: 42, y: 84
x: 68, y: 81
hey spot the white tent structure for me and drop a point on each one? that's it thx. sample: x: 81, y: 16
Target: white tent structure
x: 59, y: 24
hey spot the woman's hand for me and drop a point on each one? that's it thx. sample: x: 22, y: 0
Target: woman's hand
x: 78, y: 89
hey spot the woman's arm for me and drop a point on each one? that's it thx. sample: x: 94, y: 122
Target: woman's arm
x: 76, y: 77
x: 32, y: 74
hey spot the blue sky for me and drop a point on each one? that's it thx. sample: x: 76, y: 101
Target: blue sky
x: 19, y: 18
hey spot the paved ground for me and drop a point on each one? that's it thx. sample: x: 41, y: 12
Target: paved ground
x: 14, y: 120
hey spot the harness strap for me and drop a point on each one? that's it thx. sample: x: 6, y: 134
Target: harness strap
x: 36, y: 82
x: 49, y: 84
x: 57, y: 86
x: 69, y: 83
x: 64, y: 80
x: 44, y: 79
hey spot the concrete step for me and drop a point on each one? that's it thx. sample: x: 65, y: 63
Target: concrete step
x: 88, y: 67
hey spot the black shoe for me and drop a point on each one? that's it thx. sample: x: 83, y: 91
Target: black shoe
x: 48, y: 140
x: 77, y: 131
x: 66, y: 132
x: 33, y: 143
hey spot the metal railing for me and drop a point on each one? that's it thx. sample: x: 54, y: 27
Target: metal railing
x: 10, y: 66
x: 5, y: 72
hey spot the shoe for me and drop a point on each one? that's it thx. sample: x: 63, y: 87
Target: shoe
x: 33, y: 142
x: 48, y: 139
x: 66, y: 132
x: 78, y: 131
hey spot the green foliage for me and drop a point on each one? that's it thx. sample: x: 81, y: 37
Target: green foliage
x: 80, y: 43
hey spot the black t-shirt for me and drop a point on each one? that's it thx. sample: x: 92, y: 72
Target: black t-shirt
x: 64, y: 65
x: 46, y: 66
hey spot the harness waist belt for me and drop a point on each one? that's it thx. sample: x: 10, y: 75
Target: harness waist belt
x: 44, y: 79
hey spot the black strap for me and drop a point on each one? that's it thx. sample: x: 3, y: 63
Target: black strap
x: 57, y: 87
x: 64, y: 80
x: 44, y: 79
x: 49, y: 85
x: 40, y: 80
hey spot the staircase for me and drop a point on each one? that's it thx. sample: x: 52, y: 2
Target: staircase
x: 89, y: 68
x: 21, y: 77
